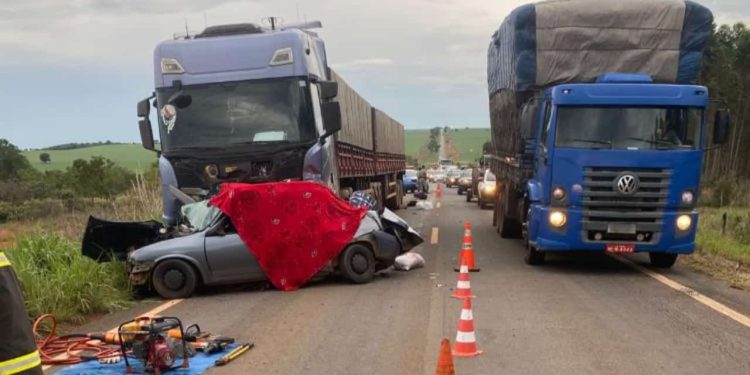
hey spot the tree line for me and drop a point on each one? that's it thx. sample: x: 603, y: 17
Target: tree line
x: 96, y: 177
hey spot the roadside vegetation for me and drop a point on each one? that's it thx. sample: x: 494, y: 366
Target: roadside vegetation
x: 42, y: 220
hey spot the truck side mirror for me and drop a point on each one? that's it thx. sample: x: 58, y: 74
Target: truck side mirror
x: 147, y: 136
x: 328, y: 89
x: 331, y: 113
x: 144, y: 108
x: 721, y: 126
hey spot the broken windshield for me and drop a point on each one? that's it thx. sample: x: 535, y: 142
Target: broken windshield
x: 236, y: 114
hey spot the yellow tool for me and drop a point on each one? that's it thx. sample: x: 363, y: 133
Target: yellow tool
x: 236, y: 352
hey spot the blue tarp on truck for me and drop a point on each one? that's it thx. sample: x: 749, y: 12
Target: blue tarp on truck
x: 554, y: 42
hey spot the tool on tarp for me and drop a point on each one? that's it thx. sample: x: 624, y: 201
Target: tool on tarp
x: 236, y: 352
x: 148, y: 339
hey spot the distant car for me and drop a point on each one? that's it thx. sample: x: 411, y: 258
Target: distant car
x: 451, y: 177
x: 487, y: 190
x: 439, y: 176
x: 410, y: 181
x: 464, y: 181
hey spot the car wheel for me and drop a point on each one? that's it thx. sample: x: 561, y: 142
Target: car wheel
x: 174, y: 278
x: 662, y: 260
x: 468, y: 195
x: 357, y: 263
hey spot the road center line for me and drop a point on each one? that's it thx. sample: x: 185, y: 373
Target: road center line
x: 434, y: 236
x: 692, y: 293
x: 153, y: 312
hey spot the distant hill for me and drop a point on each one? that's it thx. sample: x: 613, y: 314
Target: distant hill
x: 131, y: 156
x: 467, y: 142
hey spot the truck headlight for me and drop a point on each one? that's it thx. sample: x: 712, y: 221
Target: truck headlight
x: 557, y: 219
x: 688, y: 197
x: 684, y: 222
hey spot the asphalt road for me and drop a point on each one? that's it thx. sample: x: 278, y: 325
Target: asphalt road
x: 579, y: 314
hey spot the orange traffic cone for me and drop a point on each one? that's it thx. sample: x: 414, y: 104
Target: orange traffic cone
x: 445, y: 359
x: 466, y: 341
x: 463, y: 287
x: 467, y: 251
x: 438, y: 191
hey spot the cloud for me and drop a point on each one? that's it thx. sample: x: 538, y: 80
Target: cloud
x: 353, y: 64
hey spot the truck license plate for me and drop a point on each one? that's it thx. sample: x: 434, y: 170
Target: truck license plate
x: 620, y: 248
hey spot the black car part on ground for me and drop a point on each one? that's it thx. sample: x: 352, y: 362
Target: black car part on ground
x: 104, y: 239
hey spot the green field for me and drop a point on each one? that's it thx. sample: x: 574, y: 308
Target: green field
x: 131, y: 156
x: 468, y: 143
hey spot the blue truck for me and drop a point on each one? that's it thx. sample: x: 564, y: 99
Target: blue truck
x: 246, y: 103
x: 598, y: 127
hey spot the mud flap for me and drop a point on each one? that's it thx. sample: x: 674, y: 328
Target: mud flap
x: 104, y: 240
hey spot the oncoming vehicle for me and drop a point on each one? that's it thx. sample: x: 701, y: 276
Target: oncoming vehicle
x: 487, y: 190
x: 464, y: 181
x: 451, y: 178
x: 410, y: 181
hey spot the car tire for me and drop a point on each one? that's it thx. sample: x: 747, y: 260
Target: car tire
x: 357, y: 263
x: 533, y: 256
x: 662, y: 260
x: 174, y: 278
x: 482, y: 204
x: 468, y: 195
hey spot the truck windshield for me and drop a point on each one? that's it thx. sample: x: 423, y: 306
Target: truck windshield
x: 223, y: 115
x: 631, y: 128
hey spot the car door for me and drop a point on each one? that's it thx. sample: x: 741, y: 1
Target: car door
x: 228, y: 257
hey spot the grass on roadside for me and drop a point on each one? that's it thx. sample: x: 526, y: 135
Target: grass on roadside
x: 734, y: 244
x: 57, y: 279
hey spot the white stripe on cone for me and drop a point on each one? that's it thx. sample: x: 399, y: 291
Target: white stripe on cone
x: 466, y: 314
x: 464, y: 268
x: 467, y: 232
x: 466, y: 337
x: 463, y: 284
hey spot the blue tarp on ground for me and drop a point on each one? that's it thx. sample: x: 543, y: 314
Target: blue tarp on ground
x: 552, y: 42
x: 198, y: 365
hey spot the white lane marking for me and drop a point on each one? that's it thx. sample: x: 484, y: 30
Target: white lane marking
x: 153, y: 312
x: 434, y: 236
x: 437, y: 204
x: 692, y: 293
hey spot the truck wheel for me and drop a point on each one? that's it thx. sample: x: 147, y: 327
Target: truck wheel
x: 508, y: 227
x: 662, y: 260
x: 357, y: 263
x: 174, y: 278
x: 533, y: 256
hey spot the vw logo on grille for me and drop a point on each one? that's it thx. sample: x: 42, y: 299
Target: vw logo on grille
x: 626, y: 184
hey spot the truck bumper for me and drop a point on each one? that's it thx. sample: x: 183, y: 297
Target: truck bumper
x: 572, y: 236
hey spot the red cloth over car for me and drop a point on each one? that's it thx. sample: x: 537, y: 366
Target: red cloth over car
x: 292, y: 228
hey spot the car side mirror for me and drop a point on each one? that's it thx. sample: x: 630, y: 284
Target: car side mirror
x: 721, y: 126
x: 147, y: 135
x: 328, y: 89
x: 331, y: 113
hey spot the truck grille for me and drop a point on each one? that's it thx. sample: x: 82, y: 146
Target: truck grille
x: 632, y: 211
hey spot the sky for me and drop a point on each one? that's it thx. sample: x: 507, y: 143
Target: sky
x: 73, y: 70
